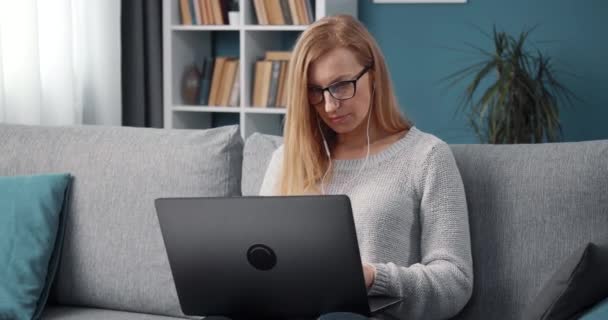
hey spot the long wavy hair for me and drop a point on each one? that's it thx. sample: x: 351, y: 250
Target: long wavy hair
x: 304, y: 158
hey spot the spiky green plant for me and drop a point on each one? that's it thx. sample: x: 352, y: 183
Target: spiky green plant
x: 521, y: 104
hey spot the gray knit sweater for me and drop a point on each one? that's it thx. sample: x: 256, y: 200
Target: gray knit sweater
x: 411, y: 219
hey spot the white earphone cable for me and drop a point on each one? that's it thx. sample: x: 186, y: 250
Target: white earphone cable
x: 328, y: 157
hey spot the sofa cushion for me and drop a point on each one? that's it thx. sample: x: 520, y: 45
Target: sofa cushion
x: 76, y: 313
x: 597, y: 312
x: 256, y: 157
x: 32, y: 222
x: 113, y: 255
x: 579, y: 283
x: 529, y: 206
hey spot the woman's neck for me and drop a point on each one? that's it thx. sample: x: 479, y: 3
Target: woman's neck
x: 354, y: 141
x: 357, y: 138
x: 354, y: 144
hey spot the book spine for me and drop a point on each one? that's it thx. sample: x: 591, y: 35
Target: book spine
x: 201, y: 81
x: 274, y: 83
x: 216, y: 80
x: 192, y: 12
x: 185, y: 10
x: 217, y: 13
x: 255, y: 96
x: 206, y: 81
x: 310, y: 11
x: 285, y: 11
x: 224, y: 8
x: 197, y: 12
x: 301, y: 11
x: 236, y: 86
x: 226, y: 83
x: 204, y: 17
x: 283, y: 80
x: 265, y: 83
x: 264, y: 10
x: 293, y: 9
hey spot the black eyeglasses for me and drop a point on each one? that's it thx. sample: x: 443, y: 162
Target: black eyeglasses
x: 341, y: 90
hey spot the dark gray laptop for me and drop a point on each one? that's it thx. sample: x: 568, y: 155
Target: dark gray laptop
x: 265, y: 257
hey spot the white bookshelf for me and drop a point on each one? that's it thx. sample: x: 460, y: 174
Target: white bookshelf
x: 185, y: 44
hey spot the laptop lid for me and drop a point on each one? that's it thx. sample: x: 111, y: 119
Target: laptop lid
x: 265, y: 257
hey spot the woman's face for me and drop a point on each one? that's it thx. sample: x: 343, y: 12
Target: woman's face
x: 334, y: 70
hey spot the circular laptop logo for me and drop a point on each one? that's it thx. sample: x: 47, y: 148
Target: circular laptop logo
x: 261, y: 257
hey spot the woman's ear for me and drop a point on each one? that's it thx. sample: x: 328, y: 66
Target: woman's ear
x: 372, y: 79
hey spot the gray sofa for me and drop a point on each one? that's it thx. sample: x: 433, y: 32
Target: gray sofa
x: 530, y: 206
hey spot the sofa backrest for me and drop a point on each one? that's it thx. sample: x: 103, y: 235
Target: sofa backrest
x: 530, y: 207
x: 256, y: 157
x: 113, y: 255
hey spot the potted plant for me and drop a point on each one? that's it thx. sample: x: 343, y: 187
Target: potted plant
x: 521, y: 102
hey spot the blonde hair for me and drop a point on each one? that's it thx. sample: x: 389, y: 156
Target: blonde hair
x: 304, y: 158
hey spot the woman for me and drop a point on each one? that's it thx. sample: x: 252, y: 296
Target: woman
x: 344, y: 134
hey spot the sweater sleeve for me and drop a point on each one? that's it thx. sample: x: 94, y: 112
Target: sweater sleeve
x: 271, y: 177
x: 441, y: 284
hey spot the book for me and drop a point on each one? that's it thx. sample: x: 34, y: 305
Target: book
x: 216, y: 80
x: 285, y: 81
x: 265, y: 87
x: 302, y: 11
x: 310, y: 13
x: 263, y: 70
x: 274, y: 84
x: 293, y: 9
x: 281, y: 84
x: 229, y: 73
x: 184, y: 6
x: 283, y: 57
x: 260, y: 11
x: 236, y: 90
x: 201, y: 89
x: 205, y: 16
x: 257, y: 79
x: 206, y: 80
x: 197, y: 12
x: 224, y: 7
x: 278, y: 55
x: 275, y: 14
x: 286, y: 12
x: 191, y: 10
x: 217, y: 12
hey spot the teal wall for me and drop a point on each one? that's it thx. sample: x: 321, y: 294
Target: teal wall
x: 416, y: 41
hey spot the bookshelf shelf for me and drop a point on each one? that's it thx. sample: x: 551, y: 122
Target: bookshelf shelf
x: 275, y: 28
x: 265, y: 110
x: 207, y: 109
x: 205, y: 28
x: 185, y: 45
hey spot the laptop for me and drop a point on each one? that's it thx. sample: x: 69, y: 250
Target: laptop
x: 265, y: 257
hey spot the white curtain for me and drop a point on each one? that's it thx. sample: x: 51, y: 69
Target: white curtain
x: 60, y: 62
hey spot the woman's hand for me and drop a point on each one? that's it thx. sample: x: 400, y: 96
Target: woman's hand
x: 369, y: 273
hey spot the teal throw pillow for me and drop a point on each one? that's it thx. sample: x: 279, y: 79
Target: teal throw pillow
x: 598, y: 312
x: 32, y: 218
